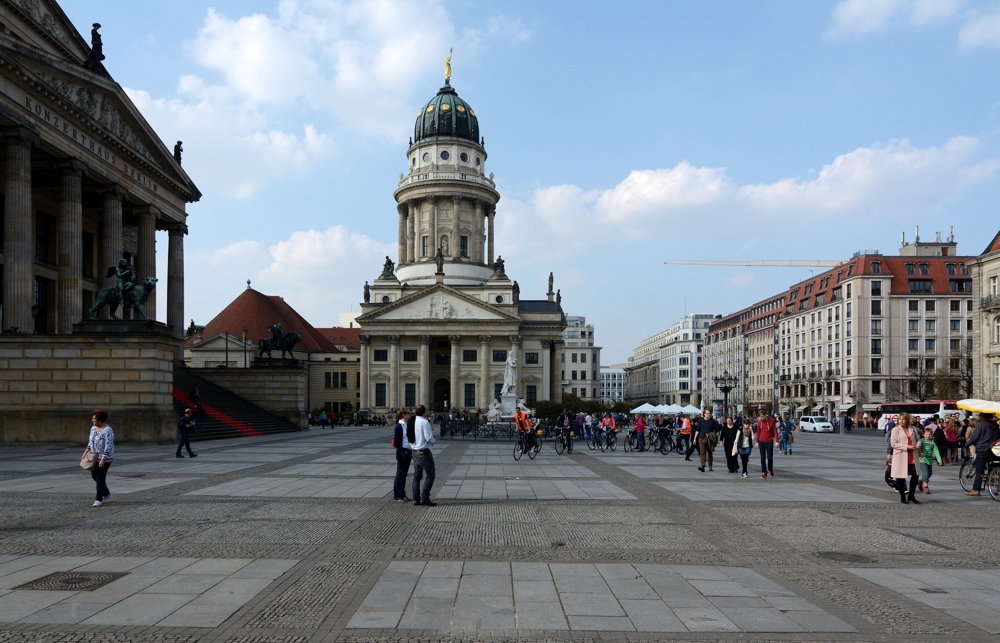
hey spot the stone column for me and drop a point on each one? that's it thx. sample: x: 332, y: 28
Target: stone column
x: 485, y: 385
x: 477, y: 253
x: 146, y: 262
x: 425, y: 370
x: 19, y: 256
x: 112, y: 246
x: 432, y: 240
x: 455, y: 356
x: 401, y: 250
x: 366, y: 341
x: 456, y: 251
x: 393, y: 371
x: 175, y: 279
x: 546, y: 391
x: 410, y: 231
x: 515, y: 349
x: 556, y: 371
x: 69, y: 286
x: 489, y: 237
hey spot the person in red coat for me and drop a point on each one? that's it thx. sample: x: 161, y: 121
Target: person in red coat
x: 767, y: 433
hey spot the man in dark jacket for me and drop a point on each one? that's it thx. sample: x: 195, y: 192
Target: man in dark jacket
x: 706, y: 435
x: 983, y: 436
x: 403, y: 456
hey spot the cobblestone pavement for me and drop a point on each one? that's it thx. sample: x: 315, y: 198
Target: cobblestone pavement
x: 296, y: 538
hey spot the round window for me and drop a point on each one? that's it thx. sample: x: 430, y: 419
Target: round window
x: 477, y: 161
x: 499, y: 299
x: 426, y: 157
x: 385, y: 299
x: 445, y: 155
x: 464, y: 157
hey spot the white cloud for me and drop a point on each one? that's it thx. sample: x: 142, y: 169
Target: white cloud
x: 239, y: 252
x: 851, y: 17
x: 983, y: 30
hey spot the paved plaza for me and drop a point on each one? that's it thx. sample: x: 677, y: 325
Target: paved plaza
x: 291, y: 538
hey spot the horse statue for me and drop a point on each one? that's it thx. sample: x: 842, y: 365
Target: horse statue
x: 135, y: 297
x: 283, y: 343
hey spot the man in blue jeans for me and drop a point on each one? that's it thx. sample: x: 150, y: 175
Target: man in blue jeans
x: 767, y: 431
x: 422, y: 441
x: 184, y: 426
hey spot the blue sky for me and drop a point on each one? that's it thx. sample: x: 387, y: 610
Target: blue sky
x: 620, y: 135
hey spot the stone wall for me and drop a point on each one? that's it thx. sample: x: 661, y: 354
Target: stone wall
x: 278, y: 386
x: 50, y: 384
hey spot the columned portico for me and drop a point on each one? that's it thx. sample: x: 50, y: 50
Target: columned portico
x: 18, y: 274
x: 546, y: 369
x: 69, y: 291
x: 175, y: 280
x: 146, y: 263
x: 454, y: 340
x: 113, y: 246
x: 393, y: 371
x: 425, y: 370
x: 489, y: 237
x: 485, y: 390
x: 365, y: 379
x: 410, y: 231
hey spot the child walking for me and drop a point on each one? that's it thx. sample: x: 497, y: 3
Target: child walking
x: 928, y: 454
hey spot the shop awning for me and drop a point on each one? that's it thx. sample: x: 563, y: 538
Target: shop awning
x: 870, y: 407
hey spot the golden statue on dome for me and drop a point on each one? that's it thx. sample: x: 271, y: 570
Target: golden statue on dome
x: 447, y: 67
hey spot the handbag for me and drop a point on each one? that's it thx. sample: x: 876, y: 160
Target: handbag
x: 88, y: 460
x: 791, y: 439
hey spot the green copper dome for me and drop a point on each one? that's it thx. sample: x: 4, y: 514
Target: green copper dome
x: 446, y: 115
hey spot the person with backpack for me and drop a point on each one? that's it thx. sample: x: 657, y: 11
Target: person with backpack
x: 983, y: 438
x: 404, y: 454
x: 185, y: 426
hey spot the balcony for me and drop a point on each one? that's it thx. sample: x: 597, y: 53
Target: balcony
x: 784, y: 378
x: 992, y: 302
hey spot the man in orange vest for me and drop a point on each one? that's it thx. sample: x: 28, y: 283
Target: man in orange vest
x: 522, y: 423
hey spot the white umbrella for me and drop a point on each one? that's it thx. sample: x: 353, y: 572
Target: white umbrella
x: 645, y: 408
x: 982, y: 406
x: 674, y: 409
x: 690, y: 409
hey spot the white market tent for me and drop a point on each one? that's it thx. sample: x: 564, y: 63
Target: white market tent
x: 690, y: 409
x: 673, y: 409
x: 662, y: 408
x: 645, y: 408
x: 982, y: 406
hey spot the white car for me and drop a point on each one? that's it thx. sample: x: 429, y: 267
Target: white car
x: 815, y: 423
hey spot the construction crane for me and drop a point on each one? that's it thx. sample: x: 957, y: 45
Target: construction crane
x: 761, y: 263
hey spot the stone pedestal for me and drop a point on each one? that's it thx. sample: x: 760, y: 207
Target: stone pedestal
x: 508, y: 404
x: 51, y: 384
x: 275, y: 385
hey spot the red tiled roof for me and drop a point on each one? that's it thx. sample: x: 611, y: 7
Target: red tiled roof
x: 349, y: 337
x: 994, y: 245
x: 256, y: 311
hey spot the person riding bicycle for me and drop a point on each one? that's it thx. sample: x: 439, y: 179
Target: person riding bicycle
x: 522, y: 423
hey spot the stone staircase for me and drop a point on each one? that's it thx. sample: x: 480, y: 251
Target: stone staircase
x: 229, y: 416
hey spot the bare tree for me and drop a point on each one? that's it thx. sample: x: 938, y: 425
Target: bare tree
x: 922, y: 382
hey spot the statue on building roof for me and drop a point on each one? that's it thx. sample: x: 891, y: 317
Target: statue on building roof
x: 439, y: 260
x: 559, y: 298
x: 368, y: 293
x: 93, y: 62
x: 551, y: 283
x: 516, y: 293
x: 447, y: 67
x: 499, y: 268
x: 178, y: 148
x: 388, y: 268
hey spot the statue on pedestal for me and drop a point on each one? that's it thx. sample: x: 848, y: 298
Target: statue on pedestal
x: 388, y: 268
x: 516, y: 293
x: 279, y: 341
x: 494, y: 414
x: 509, y: 374
x: 498, y: 267
x: 135, y: 295
x: 439, y: 260
x: 368, y: 293
x: 178, y: 148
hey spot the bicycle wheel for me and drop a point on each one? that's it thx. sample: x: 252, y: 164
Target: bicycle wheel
x: 560, y: 444
x: 592, y: 442
x: 628, y: 445
x: 602, y: 442
x: 967, y: 475
x: 993, y: 483
x: 532, y: 452
x: 518, y: 450
x: 612, y: 441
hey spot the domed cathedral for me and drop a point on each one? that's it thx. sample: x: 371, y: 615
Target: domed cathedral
x: 443, y: 325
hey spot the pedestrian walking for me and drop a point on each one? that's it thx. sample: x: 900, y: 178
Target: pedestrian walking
x: 640, y: 433
x: 951, y: 442
x: 982, y: 439
x: 787, y: 430
x: 729, y: 434
x: 102, y: 445
x: 706, y: 436
x: 422, y: 442
x: 767, y: 431
x: 743, y: 445
x: 904, y: 447
x: 404, y: 454
x: 184, y: 427
x: 928, y: 454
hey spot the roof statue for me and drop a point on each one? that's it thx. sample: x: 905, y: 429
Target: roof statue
x: 447, y: 67
x: 178, y: 148
x: 439, y: 260
x: 550, y: 283
x: 93, y: 63
x: 388, y: 268
x: 368, y: 293
x: 516, y: 292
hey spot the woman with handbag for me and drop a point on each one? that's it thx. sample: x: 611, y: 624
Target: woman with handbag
x: 100, y: 453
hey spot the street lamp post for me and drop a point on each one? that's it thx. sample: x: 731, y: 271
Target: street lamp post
x: 725, y: 383
x: 244, y: 347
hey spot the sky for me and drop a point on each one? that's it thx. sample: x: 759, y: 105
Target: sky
x: 620, y: 135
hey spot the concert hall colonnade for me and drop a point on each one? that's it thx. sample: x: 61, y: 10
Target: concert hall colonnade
x: 438, y: 324
x: 86, y: 182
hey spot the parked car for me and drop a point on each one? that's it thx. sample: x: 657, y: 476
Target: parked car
x: 815, y: 423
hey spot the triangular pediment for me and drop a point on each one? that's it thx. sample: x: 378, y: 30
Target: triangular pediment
x: 438, y: 303
x: 41, y: 24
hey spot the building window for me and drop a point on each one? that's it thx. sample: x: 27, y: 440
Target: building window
x: 583, y: 358
x: 530, y: 394
x: 996, y: 377
x: 920, y: 287
x: 960, y: 285
x: 44, y: 238
x: 956, y: 306
x: 573, y: 358
x: 573, y: 391
x: 409, y: 355
x: 876, y: 347
x: 442, y: 359
x: 925, y: 270
x: 531, y: 358
x: 929, y: 344
x: 583, y: 392
x: 470, y: 395
x: 424, y: 243
x: 876, y: 267
x: 876, y: 367
x: 913, y: 325
x: 909, y: 269
x: 876, y: 327
x: 499, y: 356
x: 950, y: 269
x: 996, y: 330
x: 913, y: 364
x: 929, y: 364
x: 877, y: 307
x: 380, y: 394
x: 929, y: 325
x: 573, y: 374
x: 876, y: 387
x: 913, y: 344
x: 994, y: 285
x: 88, y: 257
x: 496, y: 391
x: 463, y: 245
x: 469, y: 356
x: 329, y: 379
x: 410, y: 394
x: 955, y: 345
x: 876, y: 288
x: 930, y: 306
x: 380, y: 355
x: 913, y: 305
